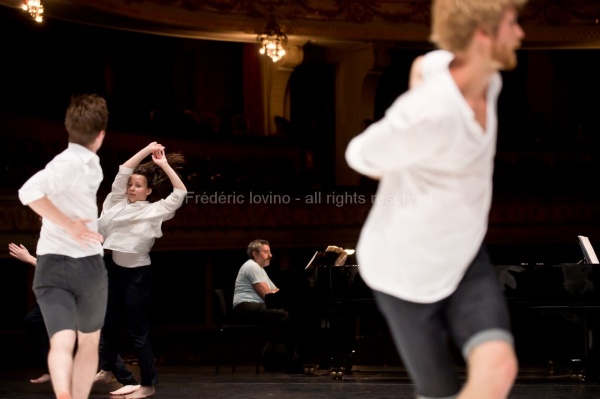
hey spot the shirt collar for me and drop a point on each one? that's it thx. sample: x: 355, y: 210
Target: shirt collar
x: 83, y: 153
x: 137, y: 203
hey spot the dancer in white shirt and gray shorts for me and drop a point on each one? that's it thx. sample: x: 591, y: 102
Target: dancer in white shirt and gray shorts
x: 70, y: 281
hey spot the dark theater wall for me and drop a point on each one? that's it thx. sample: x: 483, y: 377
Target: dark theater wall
x: 138, y: 73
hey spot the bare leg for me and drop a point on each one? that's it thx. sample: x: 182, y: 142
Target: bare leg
x: 492, y: 369
x: 60, y: 362
x: 85, y: 364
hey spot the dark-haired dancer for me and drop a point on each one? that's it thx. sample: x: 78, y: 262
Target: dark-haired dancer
x: 130, y: 224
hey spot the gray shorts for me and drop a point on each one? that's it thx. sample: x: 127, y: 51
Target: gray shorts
x: 475, y: 313
x: 71, y: 292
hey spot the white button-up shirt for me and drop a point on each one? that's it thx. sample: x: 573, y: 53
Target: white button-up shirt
x: 70, y: 181
x: 133, y: 227
x: 430, y: 213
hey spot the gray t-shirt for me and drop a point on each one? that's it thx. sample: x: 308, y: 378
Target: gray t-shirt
x: 250, y: 273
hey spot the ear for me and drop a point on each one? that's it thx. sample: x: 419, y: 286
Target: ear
x: 482, y: 39
x: 482, y: 33
x: 98, y: 141
x: 100, y: 136
x: 415, y: 75
x: 149, y: 191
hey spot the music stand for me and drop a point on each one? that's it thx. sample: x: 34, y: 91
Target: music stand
x: 588, y: 251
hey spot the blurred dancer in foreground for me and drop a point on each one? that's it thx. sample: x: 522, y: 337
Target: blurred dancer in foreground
x: 420, y: 249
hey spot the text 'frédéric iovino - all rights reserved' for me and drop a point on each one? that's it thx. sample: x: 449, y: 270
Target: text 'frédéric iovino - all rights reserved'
x: 314, y: 198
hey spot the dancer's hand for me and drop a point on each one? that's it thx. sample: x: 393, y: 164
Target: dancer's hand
x: 79, y: 231
x: 153, y: 147
x: 159, y: 158
x: 21, y: 253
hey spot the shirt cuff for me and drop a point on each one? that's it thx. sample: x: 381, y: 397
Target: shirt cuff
x: 180, y: 191
x: 355, y: 160
x: 27, y: 197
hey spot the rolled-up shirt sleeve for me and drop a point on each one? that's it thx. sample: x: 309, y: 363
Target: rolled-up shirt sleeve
x: 173, y: 202
x: 119, y: 188
x: 413, y: 127
x: 356, y: 161
x: 408, y: 134
x: 54, y: 179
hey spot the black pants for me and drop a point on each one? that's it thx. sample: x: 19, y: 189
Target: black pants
x: 120, y: 371
x: 281, y: 325
x: 129, y: 299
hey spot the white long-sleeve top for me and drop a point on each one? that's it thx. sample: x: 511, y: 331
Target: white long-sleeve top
x: 133, y: 227
x: 70, y: 181
x: 430, y: 212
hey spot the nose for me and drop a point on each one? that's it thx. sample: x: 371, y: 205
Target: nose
x: 520, y: 32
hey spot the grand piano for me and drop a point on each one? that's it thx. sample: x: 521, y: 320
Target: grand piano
x: 555, y: 310
x: 328, y: 301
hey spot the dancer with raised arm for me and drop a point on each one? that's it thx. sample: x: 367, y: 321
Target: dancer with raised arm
x: 130, y: 224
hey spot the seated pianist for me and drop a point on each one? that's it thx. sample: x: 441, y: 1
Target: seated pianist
x: 252, y: 286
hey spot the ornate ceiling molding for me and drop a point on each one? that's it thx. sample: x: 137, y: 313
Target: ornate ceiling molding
x: 548, y: 23
x: 357, y: 11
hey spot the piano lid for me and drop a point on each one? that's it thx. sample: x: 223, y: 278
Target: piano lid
x: 589, y: 254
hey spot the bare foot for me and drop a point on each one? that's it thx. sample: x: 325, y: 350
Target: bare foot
x: 141, y: 392
x: 125, y: 390
x: 41, y: 379
x: 103, y: 377
x: 65, y: 395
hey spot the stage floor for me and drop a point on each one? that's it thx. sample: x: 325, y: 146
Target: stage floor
x: 186, y: 382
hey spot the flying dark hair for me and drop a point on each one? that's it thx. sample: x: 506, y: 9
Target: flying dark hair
x: 156, y: 177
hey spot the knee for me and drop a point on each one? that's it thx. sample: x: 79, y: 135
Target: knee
x: 493, y: 368
x: 88, y: 341
x: 92, y: 338
x: 506, y: 366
